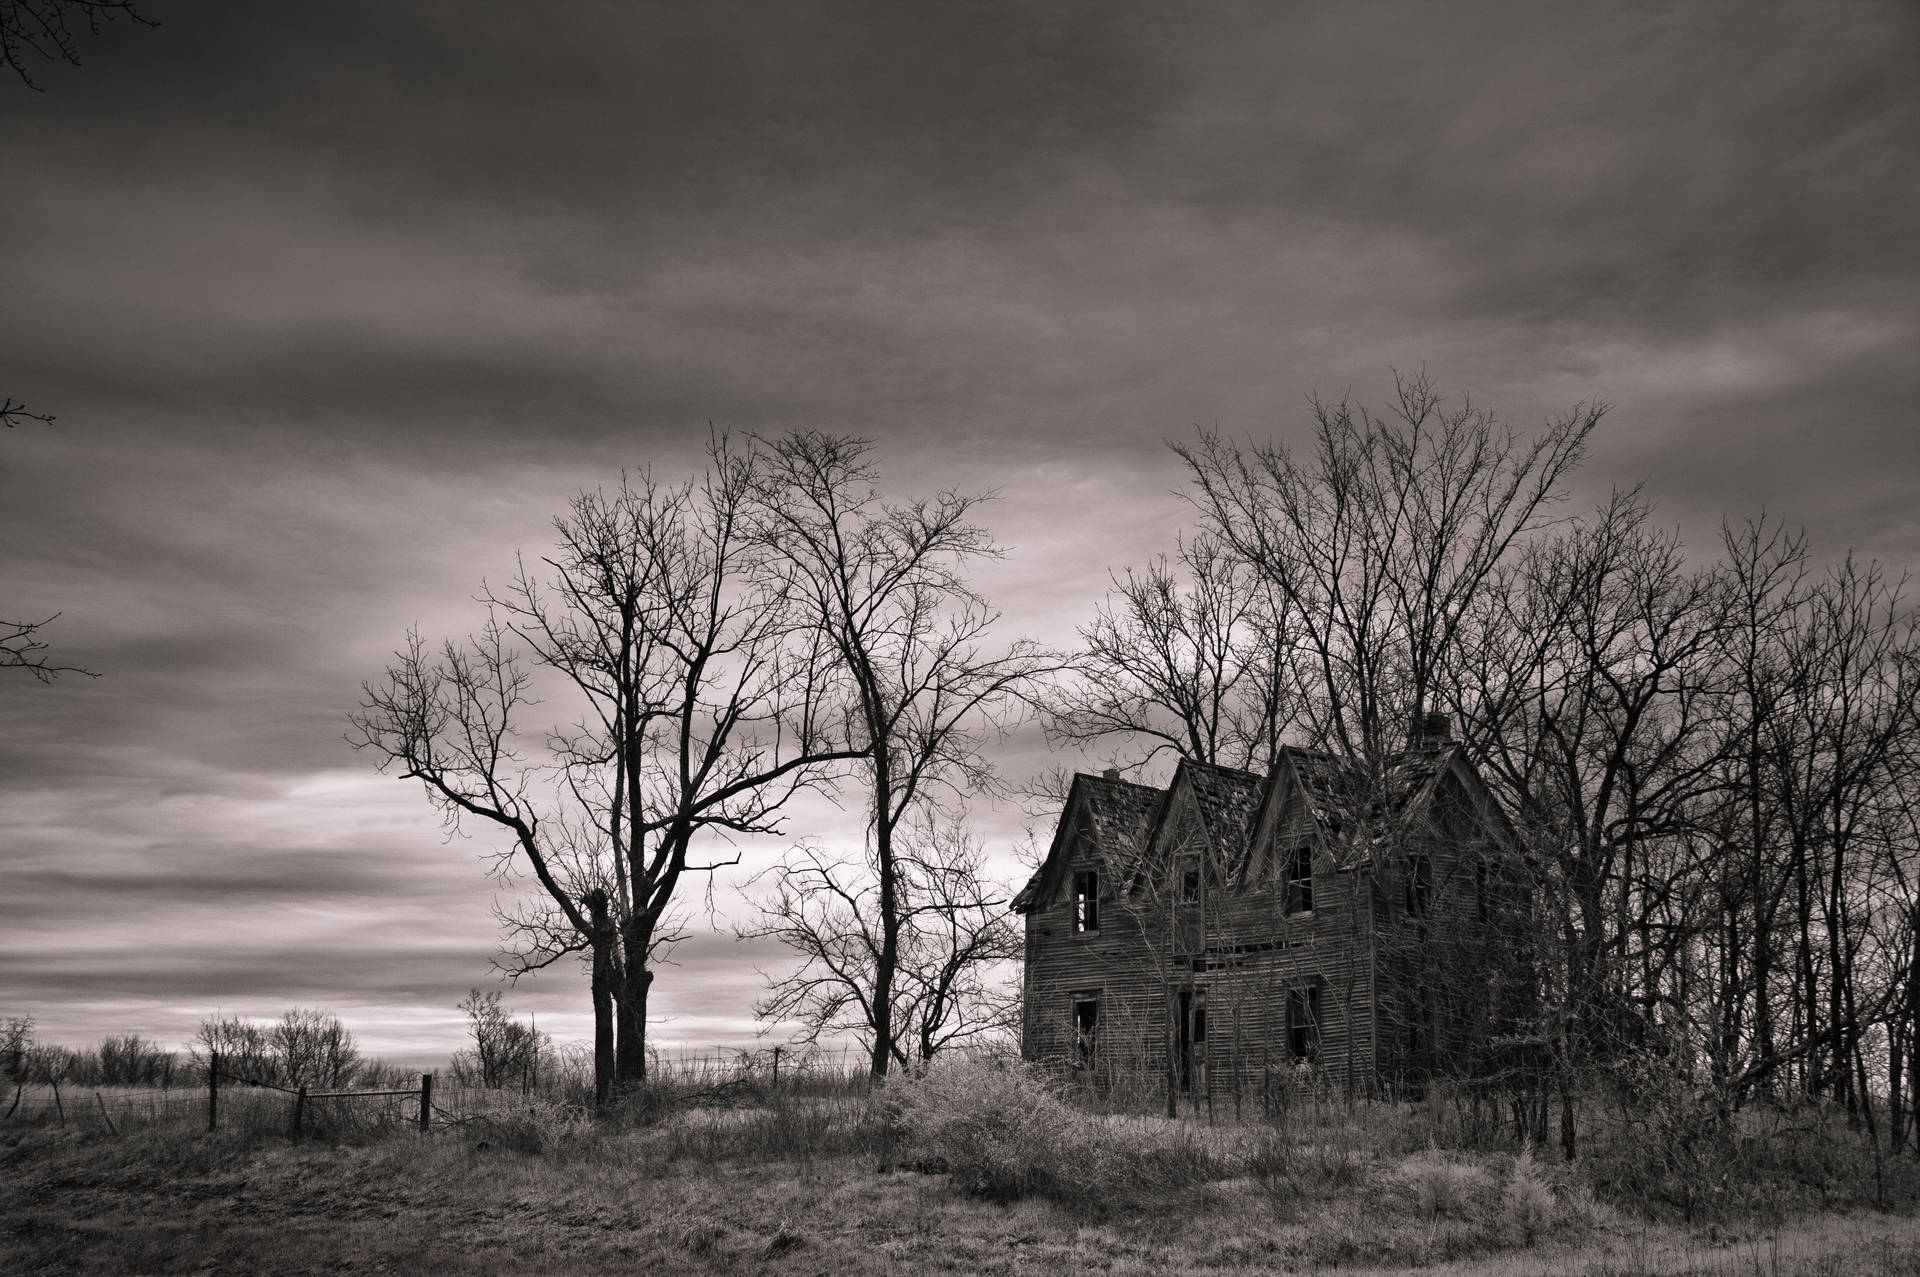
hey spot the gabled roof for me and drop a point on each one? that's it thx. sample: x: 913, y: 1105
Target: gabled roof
x: 1226, y: 801
x: 1117, y: 812
x: 1126, y: 820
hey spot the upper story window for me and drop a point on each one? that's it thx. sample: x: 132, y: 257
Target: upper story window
x: 1086, y: 901
x: 1189, y: 881
x: 1419, y: 885
x: 1300, y: 879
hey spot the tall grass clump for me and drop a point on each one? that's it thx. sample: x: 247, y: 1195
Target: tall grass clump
x: 1004, y: 1133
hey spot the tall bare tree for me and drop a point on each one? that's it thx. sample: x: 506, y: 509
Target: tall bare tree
x: 1380, y: 542
x: 697, y: 683
x: 919, y: 686
x: 1190, y: 656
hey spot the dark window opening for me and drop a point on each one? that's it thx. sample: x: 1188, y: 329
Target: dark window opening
x: 1190, y: 884
x: 1190, y: 1044
x: 1086, y: 901
x: 1419, y: 885
x: 1300, y: 879
x: 1086, y: 1028
x: 1303, y: 1023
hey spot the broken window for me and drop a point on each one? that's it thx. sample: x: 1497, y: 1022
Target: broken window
x: 1086, y: 901
x: 1419, y: 885
x: 1086, y: 1027
x: 1190, y: 882
x: 1303, y: 1023
x: 1191, y: 1037
x: 1300, y: 879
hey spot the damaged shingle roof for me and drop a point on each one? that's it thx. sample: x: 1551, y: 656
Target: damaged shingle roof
x: 1406, y: 787
x: 1344, y: 804
x: 1227, y: 799
x: 1120, y: 809
x: 1120, y: 812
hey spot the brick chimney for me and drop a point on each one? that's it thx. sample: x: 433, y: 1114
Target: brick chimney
x: 1112, y: 773
x: 1430, y: 731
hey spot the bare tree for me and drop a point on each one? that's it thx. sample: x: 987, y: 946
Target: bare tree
x: 1189, y: 656
x: 918, y: 688
x: 696, y: 686
x: 313, y: 1048
x: 1595, y: 700
x: 954, y: 941
x: 51, y: 29
x: 241, y: 1044
x: 1380, y: 543
x: 505, y: 1052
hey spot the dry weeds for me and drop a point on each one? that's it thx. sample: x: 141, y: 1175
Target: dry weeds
x: 655, y: 1201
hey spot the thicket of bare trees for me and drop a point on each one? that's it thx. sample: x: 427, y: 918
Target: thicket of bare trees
x: 304, y: 1047
x: 1709, y: 760
x: 505, y: 1052
x: 706, y: 652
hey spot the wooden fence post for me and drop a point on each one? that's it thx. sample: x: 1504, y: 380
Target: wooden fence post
x: 776, y: 1068
x: 299, y: 1111
x: 426, y: 1100
x: 213, y: 1090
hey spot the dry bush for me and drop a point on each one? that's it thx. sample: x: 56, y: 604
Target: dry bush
x: 1442, y: 1186
x: 1004, y: 1134
x: 532, y: 1124
x: 783, y: 1129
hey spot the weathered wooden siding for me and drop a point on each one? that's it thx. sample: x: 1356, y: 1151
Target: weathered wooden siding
x: 1403, y: 995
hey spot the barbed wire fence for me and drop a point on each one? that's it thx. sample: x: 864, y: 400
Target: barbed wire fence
x: 218, y: 1098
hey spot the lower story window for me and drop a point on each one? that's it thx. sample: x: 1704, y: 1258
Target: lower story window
x: 1303, y: 1023
x: 1086, y: 1027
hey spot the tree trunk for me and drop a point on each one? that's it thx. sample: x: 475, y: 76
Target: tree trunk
x: 602, y: 950
x: 630, y: 1052
x: 888, y: 959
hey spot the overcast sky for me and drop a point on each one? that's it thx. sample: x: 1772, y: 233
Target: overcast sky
x: 336, y: 304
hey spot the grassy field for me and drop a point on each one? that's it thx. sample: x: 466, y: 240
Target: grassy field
x: 797, y: 1185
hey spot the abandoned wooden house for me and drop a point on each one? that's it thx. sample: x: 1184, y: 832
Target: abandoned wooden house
x: 1365, y: 929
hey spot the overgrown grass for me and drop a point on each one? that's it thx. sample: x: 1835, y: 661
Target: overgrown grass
x: 707, y: 1171
x: 647, y: 1200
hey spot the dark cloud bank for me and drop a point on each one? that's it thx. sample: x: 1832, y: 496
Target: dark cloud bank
x: 336, y: 304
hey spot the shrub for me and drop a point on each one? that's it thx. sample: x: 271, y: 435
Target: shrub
x: 1529, y: 1198
x: 1004, y: 1133
x: 533, y: 1124
x: 1444, y: 1187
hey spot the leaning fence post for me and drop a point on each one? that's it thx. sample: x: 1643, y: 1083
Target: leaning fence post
x: 111, y: 1129
x: 426, y: 1100
x: 776, y: 1068
x: 299, y: 1110
x: 213, y: 1090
